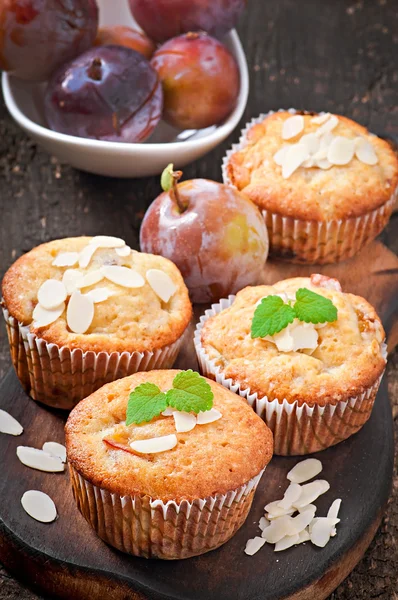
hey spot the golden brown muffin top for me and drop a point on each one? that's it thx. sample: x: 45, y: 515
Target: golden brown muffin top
x: 210, y: 459
x: 348, y: 359
x: 131, y: 319
x: 311, y: 192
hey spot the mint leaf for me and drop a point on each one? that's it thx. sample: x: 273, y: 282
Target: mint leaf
x: 145, y: 403
x: 314, y: 308
x: 271, y: 316
x: 190, y: 393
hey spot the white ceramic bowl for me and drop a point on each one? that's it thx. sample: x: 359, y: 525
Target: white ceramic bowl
x: 24, y: 101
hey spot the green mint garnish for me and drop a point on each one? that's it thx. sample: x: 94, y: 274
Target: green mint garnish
x: 313, y: 308
x: 272, y: 314
x: 145, y: 403
x: 190, y: 393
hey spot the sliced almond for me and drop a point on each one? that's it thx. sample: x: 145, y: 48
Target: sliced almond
x: 292, y: 127
x: 291, y: 495
x: 325, y: 140
x: 43, y: 317
x: 66, y: 259
x: 323, y: 164
x: 333, y: 511
x: 263, y: 523
x: 123, y: 251
x: 302, y: 520
x: 294, y: 158
x: 52, y: 293
x: 107, y: 241
x: 305, y: 470
x: 311, y: 141
x: 123, y: 276
x: 279, y: 156
x: 161, y: 283
x: 309, y: 163
x: 184, y: 421
x: 80, y: 313
x: 155, y: 445
x: 86, y: 254
x: 55, y: 449
x: 328, y: 126
x: 9, y: 425
x: 278, y: 529
x: 287, y: 542
x: 91, y: 278
x: 99, y: 294
x: 321, y: 531
x: 72, y: 279
x: 254, y: 545
x: 274, y: 510
x: 311, y: 491
x: 304, y: 536
x: 320, y: 119
x: 40, y: 460
x: 307, y: 507
x: 39, y: 506
x: 365, y: 152
x: 341, y: 151
x: 208, y: 416
x: 168, y: 412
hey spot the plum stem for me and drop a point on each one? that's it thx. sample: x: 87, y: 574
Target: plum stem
x: 94, y: 70
x: 176, y: 176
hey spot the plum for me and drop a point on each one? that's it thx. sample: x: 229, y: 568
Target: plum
x: 37, y: 36
x: 214, y: 234
x: 125, y: 36
x: 164, y: 19
x: 108, y: 93
x: 200, y: 80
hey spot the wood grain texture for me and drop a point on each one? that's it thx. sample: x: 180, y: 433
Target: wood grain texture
x: 338, y: 55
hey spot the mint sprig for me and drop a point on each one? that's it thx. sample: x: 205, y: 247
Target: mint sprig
x: 273, y: 314
x: 190, y: 393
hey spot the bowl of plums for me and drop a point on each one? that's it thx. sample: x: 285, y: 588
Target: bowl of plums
x: 117, y: 87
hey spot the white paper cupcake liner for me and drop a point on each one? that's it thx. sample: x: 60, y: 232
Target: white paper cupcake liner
x: 297, y: 429
x: 318, y: 242
x: 60, y: 377
x: 151, y: 528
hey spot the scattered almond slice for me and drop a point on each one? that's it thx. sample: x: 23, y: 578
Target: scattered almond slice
x: 72, y: 280
x: 304, y: 536
x: 323, y: 164
x: 39, y: 506
x: 311, y: 491
x: 123, y: 251
x: 311, y: 141
x: 302, y: 520
x: 168, y: 412
x: 254, y: 545
x: 333, y: 511
x: 161, y: 283
x: 291, y: 495
x: 42, y: 316
x: 52, y: 293
x: 328, y: 126
x: 208, y: 416
x: 294, y: 158
x: 86, y: 255
x: 325, y: 140
x: 92, y: 278
x: 184, y: 421
x: 320, y: 119
x: 107, y: 241
x: 9, y: 425
x: 263, y: 523
x: 341, y: 151
x: 365, y: 152
x: 66, y: 259
x: 123, y: 276
x: 322, y: 531
x: 155, y: 445
x: 279, y: 156
x: 99, y: 294
x: 309, y: 163
x: 278, y: 529
x: 287, y: 542
x: 305, y: 470
x: 308, y: 507
x: 40, y: 460
x: 320, y: 155
x: 274, y: 510
x: 292, y: 127
x: 55, y: 449
x: 80, y: 312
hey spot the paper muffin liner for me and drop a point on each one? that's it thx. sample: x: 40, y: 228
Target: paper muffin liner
x: 61, y: 377
x: 151, y: 528
x: 319, y: 242
x: 297, y: 429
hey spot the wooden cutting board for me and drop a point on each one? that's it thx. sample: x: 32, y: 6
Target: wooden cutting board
x: 66, y: 560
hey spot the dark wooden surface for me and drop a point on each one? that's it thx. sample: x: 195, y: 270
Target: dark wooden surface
x: 337, y: 55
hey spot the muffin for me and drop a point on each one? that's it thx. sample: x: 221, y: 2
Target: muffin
x: 180, y: 499
x: 325, y: 185
x: 313, y: 378
x: 81, y: 312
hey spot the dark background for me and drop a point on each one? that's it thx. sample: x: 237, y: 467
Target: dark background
x: 333, y: 55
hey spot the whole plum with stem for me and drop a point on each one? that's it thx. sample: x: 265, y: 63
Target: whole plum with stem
x: 37, y: 36
x: 164, y: 19
x: 125, y: 36
x: 108, y: 93
x: 214, y: 234
x: 200, y: 79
